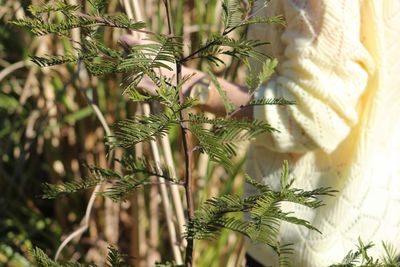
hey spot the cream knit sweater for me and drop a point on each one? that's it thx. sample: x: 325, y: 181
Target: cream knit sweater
x: 339, y: 60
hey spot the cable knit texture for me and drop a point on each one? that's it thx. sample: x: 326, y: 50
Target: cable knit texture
x: 339, y: 62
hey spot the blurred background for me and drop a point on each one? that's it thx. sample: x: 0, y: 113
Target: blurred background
x: 49, y: 131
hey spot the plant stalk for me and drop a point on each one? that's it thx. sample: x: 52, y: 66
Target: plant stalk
x: 188, y: 168
x: 187, y: 151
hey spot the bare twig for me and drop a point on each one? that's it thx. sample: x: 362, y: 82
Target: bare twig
x: 84, y: 225
x: 13, y: 67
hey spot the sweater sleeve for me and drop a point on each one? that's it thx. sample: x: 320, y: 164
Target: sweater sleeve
x: 324, y: 69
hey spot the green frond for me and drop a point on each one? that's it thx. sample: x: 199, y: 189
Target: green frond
x: 261, y: 187
x: 264, y: 208
x: 307, y: 198
x: 62, y: 6
x: 104, y: 174
x: 98, y: 175
x: 122, y: 21
x: 48, y: 61
x: 255, y: 80
x: 234, y: 16
x: 42, y: 260
x: 139, y: 129
x: 221, y: 141
x: 144, y: 60
x: 299, y: 196
x: 232, y: 13
x: 219, y: 44
x: 252, y: 80
x: 279, y: 19
x: 99, y: 67
x: 211, y: 144
x: 218, y: 123
x: 99, y: 5
x: 137, y: 95
x: 294, y: 220
x: 270, y: 101
x: 168, y: 95
x: 264, y: 214
x: 283, y: 252
x: 391, y: 256
x: 285, y: 182
x: 229, y: 106
x: 244, y: 48
x: 210, y: 219
x: 360, y: 256
x: 115, y: 258
x: 39, y: 26
x: 94, y: 45
x: 159, y: 54
x: 137, y: 173
x: 51, y: 191
x: 123, y: 187
x: 267, y: 70
x: 143, y: 166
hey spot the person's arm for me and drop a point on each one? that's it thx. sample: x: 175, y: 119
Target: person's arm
x: 238, y: 95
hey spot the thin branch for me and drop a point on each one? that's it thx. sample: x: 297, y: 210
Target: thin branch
x: 183, y: 60
x: 84, y: 224
x: 164, y: 183
x: 13, y: 67
x: 166, y: 3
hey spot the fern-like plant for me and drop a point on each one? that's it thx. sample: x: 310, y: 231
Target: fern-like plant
x: 257, y: 217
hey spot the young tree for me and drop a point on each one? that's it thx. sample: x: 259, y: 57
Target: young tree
x: 257, y: 217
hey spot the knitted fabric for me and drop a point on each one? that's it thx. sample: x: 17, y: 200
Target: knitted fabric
x: 339, y: 60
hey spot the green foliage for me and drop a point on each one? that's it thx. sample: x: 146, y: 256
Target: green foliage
x: 283, y: 252
x: 235, y: 16
x: 229, y: 106
x: 221, y: 44
x: 263, y: 214
x: 137, y: 172
x: 40, y: 26
x: 360, y: 257
x: 99, y: 5
x: 52, y: 191
x: 61, y: 6
x: 140, y: 129
x: 257, y: 217
x: 114, y: 258
x: 220, y: 142
x: 255, y: 80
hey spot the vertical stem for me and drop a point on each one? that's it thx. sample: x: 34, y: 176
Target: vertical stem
x: 188, y: 169
x: 187, y: 151
x: 168, y: 10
